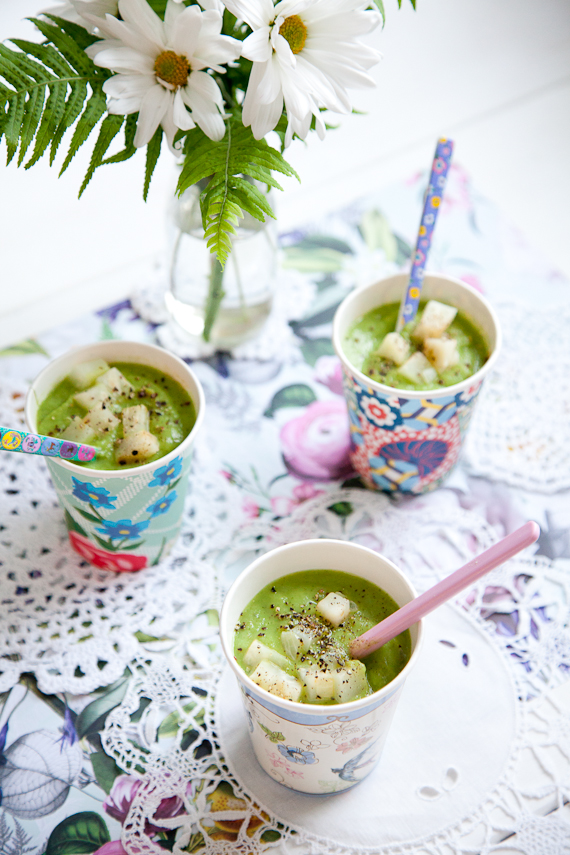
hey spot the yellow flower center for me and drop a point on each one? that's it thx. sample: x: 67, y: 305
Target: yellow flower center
x: 294, y: 30
x: 172, y: 68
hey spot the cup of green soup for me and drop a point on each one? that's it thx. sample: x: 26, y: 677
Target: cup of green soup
x: 121, y: 515
x: 305, y: 733
x: 406, y: 435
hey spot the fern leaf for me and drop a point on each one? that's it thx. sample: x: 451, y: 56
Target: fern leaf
x: 110, y: 127
x: 230, y: 164
x: 79, y: 34
x: 94, y: 109
x: 74, y: 54
x: 13, y: 123
x: 11, y: 73
x: 34, y: 109
x: 129, y: 149
x: 46, y: 54
x: 73, y: 107
x: 152, y: 155
x: 51, y: 118
x: 33, y: 70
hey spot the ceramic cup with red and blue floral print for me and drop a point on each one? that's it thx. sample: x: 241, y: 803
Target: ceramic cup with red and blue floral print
x: 121, y: 520
x: 317, y: 748
x: 402, y: 440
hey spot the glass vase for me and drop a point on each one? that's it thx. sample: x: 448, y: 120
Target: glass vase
x: 224, y: 307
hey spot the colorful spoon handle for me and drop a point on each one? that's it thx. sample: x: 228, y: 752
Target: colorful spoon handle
x: 45, y: 446
x: 411, y: 613
x: 432, y: 202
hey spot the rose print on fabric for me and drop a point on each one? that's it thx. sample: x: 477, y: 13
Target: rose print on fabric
x: 316, y: 445
x: 118, y: 802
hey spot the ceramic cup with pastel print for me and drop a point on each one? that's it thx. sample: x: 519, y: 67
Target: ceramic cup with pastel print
x: 121, y: 519
x: 305, y: 746
x: 405, y: 440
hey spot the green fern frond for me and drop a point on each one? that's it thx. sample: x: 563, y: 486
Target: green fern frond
x: 110, y: 127
x: 230, y: 165
x: 48, y: 88
x: 152, y: 155
x: 129, y: 149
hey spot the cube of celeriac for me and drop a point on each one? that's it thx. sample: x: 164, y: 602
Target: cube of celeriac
x: 94, y: 395
x: 441, y: 352
x: 394, y: 347
x: 435, y: 319
x: 101, y: 419
x: 78, y: 431
x: 296, y: 641
x: 350, y: 681
x: 418, y: 369
x: 335, y: 608
x: 85, y: 374
x: 319, y: 685
x: 257, y: 651
x: 272, y: 678
x: 136, y: 448
x: 116, y: 382
x: 135, y: 419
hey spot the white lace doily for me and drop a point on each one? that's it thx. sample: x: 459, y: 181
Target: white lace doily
x: 294, y: 294
x: 508, y: 628
x: 519, y: 430
x: 75, y: 626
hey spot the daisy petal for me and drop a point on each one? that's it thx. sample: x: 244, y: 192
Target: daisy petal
x: 155, y: 104
x: 257, y: 46
x: 144, y: 21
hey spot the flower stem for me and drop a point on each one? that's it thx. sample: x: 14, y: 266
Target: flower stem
x: 215, y: 296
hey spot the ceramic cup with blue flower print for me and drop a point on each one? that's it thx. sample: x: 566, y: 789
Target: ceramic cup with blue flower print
x: 314, y: 748
x: 121, y: 520
x: 408, y: 441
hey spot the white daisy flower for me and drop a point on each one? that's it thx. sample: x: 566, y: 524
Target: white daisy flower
x: 74, y: 10
x: 305, y: 55
x: 159, y: 64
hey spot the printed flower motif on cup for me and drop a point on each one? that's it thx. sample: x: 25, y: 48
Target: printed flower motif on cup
x: 469, y: 393
x: 119, y: 562
x: 380, y: 412
x: 426, y: 455
x: 122, y: 529
x: 163, y: 505
x: 166, y: 474
x: 406, y: 460
x: 297, y: 755
x: 96, y: 496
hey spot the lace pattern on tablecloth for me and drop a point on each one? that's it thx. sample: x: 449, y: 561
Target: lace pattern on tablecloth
x: 294, y: 294
x: 521, y: 608
x: 519, y: 430
x: 75, y: 626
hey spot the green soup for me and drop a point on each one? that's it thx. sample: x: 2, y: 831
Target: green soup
x: 292, y: 600
x: 171, y: 412
x: 365, y: 336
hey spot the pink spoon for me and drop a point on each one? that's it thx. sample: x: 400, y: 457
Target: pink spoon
x: 412, y: 612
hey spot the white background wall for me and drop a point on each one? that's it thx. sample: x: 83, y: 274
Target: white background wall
x: 492, y: 74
